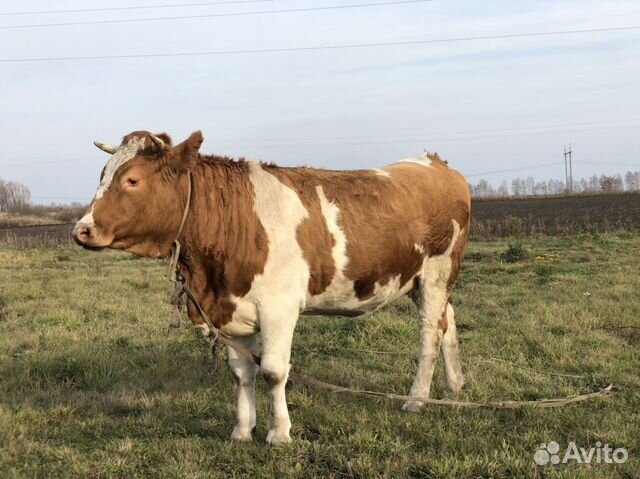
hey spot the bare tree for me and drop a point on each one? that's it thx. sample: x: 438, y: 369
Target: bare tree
x: 14, y: 196
x: 503, y: 189
x: 632, y: 180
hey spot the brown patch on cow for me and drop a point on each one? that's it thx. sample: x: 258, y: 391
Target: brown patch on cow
x: 443, y: 322
x: 227, y: 245
x: 272, y: 379
x: 383, y: 219
x: 317, y: 244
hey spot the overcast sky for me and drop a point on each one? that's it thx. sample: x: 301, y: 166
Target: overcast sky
x: 485, y: 105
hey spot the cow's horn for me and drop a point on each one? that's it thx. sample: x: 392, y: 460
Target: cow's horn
x: 107, y: 148
x: 157, y: 142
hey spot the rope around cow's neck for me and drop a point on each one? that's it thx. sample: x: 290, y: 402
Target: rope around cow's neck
x: 216, y: 336
x: 176, y: 246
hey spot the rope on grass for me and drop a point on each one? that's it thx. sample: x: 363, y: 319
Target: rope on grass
x: 540, y: 403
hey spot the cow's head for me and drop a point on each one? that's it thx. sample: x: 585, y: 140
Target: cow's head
x: 142, y: 195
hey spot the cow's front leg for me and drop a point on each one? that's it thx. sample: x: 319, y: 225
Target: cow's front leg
x: 277, y: 325
x: 244, y: 371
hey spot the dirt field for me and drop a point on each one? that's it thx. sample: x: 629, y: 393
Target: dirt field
x: 556, y: 215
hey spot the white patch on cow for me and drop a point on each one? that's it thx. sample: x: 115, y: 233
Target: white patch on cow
x: 245, y: 373
x: 86, y: 220
x: 331, y: 215
x: 451, y: 354
x: 419, y: 248
x: 278, y: 294
x: 422, y: 160
x: 381, y: 172
x: 280, y: 212
x: 123, y: 155
x: 244, y: 320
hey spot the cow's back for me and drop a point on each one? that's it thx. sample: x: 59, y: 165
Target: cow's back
x: 368, y: 232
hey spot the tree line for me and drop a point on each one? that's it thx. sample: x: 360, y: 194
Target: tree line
x: 531, y: 187
x: 14, y: 196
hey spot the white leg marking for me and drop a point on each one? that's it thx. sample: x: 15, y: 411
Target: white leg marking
x: 278, y: 322
x: 451, y: 355
x: 433, y: 298
x: 245, y: 374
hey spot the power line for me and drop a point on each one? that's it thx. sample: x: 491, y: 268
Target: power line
x: 509, y: 170
x: 139, y: 7
x: 316, y: 48
x: 442, y: 139
x: 211, y: 15
x: 396, y: 141
x: 601, y: 125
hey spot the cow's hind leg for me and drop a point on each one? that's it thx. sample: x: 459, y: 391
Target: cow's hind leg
x: 244, y: 371
x: 431, y: 298
x: 451, y: 354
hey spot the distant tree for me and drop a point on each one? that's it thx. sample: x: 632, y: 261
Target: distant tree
x: 14, y: 196
x: 541, y: 188
x: 583, y: 185
x: 503, y: 189
x: 484, y: 189
x: 610, y: 183
x: 632, y: 180
x: 530, y: 185
x: 518, y: 187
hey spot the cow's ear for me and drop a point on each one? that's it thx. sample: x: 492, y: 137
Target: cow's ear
x: 187, y: 151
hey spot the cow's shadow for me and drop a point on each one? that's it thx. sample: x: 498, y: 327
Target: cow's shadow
x: 166, y: 384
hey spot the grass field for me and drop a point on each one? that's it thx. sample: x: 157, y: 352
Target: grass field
x: 91, y: 387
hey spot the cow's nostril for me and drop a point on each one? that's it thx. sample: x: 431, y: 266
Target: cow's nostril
x: 82, y: 234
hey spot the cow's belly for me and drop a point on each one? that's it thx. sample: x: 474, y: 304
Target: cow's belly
x: 340, y: 298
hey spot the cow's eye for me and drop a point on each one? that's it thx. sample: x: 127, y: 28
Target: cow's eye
x: 132, y: 182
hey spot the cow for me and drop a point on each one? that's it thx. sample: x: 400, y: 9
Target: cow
x: 263, y: 244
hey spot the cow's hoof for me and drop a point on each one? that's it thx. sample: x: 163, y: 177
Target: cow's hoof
x: 241, y: 435
x: 275, y: 437
x: 454, y: 388
x: 412, y: 406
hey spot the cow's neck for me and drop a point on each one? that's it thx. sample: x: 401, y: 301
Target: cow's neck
x: 223, y: 239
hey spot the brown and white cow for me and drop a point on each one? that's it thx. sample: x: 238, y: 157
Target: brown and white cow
x: 263, y: 244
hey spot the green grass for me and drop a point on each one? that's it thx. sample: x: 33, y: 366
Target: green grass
x: 91, y: 387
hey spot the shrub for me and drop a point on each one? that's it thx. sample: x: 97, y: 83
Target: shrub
x: 514, y: 253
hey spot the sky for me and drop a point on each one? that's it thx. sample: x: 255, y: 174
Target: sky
x: 485, y: 105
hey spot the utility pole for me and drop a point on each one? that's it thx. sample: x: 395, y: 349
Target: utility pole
x: 568, y: 168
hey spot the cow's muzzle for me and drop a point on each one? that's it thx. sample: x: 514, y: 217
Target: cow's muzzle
x: 84, y: 234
